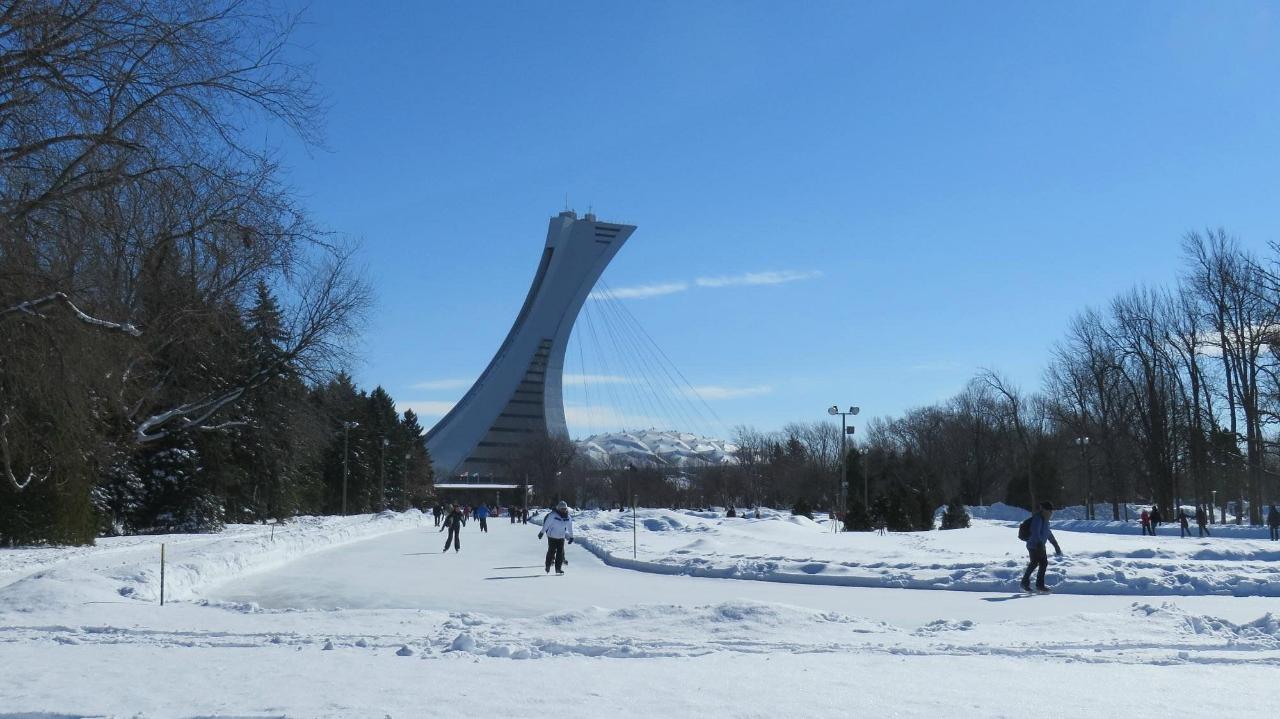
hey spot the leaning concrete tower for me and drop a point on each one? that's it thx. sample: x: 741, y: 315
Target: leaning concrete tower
x: 519, y: 396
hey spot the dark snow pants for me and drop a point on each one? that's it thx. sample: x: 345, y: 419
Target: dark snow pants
x: 1204, y: 531
x: 555, y: 553
x: 452, y: 538
x: 1039, y: 559
x: 484, y: 524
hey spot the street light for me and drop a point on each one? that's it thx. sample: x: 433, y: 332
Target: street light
x: 382, y: 475
x: 346, y: 436
x: 1083, y: 444
x: 845, y: 431
x: 631, y: 470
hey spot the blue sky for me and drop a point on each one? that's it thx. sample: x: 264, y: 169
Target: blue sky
x: 943, y: 184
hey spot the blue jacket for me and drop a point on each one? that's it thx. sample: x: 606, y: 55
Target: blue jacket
x: 482, y: 512
x: 1040, y: 532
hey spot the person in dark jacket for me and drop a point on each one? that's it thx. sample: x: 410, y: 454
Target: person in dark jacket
x: 452, y: 522
x: 1202, y: 521
x: 1156, y: 519
x: 436, y: 513
x: 1273, y: 522
x: 1039, y: 556
x: 1182, y: 522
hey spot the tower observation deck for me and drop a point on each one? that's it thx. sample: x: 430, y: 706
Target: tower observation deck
x: 519, y: 396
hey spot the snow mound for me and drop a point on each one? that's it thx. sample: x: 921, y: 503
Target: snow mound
x: 653, y: 447
x: 986, y: 558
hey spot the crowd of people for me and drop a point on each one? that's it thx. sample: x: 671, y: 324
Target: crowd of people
x: 557, y: 527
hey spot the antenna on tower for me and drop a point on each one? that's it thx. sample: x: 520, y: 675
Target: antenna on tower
x: 566, y: 202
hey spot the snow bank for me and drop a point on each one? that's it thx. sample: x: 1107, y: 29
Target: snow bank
x: 131, y: 569
x: 987, y: 557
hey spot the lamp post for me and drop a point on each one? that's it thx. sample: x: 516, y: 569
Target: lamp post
x: 845, y: 431
x: 346, y: 441
x: 1083, y: 444
x: 404, y: 481
x: 631, y: 469
x: 382, y: 475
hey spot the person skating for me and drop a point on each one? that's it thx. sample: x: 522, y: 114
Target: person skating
x: 1202, y: 521
x: 436, y: 513
x: 482, y: 514
x: 1273, y: 522
x: 1182, y: 522
x: 558, y: 527
x: 453, y: 519
x: 1039, y: 555
x: 1156, y: 519
x: 511, y: 512
x: 1145, y: 520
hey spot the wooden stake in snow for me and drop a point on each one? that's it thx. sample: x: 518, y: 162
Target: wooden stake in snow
x: 162, y: 574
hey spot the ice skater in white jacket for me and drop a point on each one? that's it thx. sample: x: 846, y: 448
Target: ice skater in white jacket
x: 558, y: 527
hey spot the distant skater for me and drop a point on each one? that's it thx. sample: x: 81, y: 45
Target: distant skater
x: 1202, y: 521
x: 436, y: 513
x: 558, y: 527
x: 1039, y: 555
x: 1182, y: 522
x: 1145, y: 520
x: 482, y: 514
x: 1273, y: 522
x: 452, y: 522
x: 1156, y: 519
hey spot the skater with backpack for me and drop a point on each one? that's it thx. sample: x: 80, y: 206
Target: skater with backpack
x: 1035, y: 532
x: 558, y: 527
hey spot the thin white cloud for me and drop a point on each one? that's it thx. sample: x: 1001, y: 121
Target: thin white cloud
x: 769, y: 277
x: 772, y: 277
x: 640, y: 292
x: 426, y: 407
x: 590, y: 379
x: 935, y: 366
x: 442, y: 384
x: 586, y: 420
x: 718, y: 392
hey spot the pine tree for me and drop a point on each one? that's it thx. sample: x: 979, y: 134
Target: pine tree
x: 857, y: 518
x: 956, y: 516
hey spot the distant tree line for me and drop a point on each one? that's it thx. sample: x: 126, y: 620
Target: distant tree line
x: 172, y: 322
x: 1165, y: 396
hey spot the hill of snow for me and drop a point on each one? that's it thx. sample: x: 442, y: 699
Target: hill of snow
x: 654, y: 447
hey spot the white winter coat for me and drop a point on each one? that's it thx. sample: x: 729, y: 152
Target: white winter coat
x: 557, y: 527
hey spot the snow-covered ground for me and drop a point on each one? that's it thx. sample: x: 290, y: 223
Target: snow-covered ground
x: 987, y: 557
x: 365, y: 617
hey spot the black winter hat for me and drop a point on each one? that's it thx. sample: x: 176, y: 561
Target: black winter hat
x: 1047, y: 505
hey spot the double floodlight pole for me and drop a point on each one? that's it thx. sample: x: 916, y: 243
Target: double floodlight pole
x: 845, y: 431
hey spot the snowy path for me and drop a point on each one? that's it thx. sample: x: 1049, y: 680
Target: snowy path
x: 501, y: 574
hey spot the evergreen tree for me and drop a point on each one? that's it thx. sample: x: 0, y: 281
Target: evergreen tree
x: 956, y: 516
